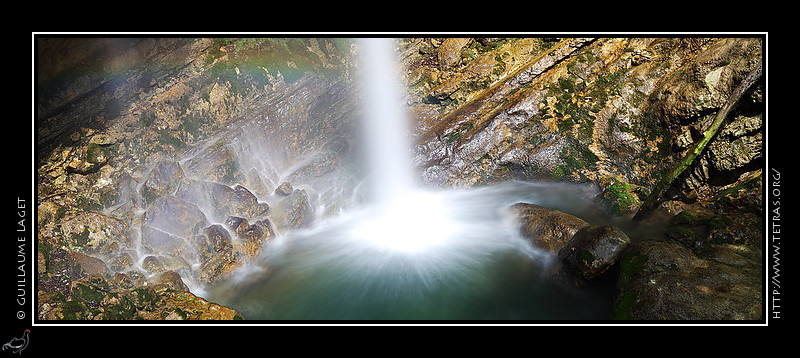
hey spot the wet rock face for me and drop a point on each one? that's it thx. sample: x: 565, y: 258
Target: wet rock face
x: 175, y: 216
x: 615, y: 112
x: 144, y: 160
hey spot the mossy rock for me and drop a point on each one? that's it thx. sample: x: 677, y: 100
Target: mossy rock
x: 619, y: 197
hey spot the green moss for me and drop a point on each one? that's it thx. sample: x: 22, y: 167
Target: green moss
x: 727, y: 197
x: 575, y: 158
x: 123, y: 310
x: 90, y: 295
x: 82, y: 238
x: 630, y: 265
x: 96, y: 154
x: 144, y: 298
x: 558, y: 173
x: 680, y: 233
x: 689, y: 218
x: 73, y: 310
x: 625, y: 305
x: 167, y: 138
x: 619, y: 197
x: 181, y: 313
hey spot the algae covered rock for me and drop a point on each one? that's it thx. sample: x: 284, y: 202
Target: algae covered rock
x: 96, y: 298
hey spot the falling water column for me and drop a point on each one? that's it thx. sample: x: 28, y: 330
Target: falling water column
x: 385, y: 122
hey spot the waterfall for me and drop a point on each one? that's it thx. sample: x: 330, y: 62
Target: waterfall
x: 404, y: 217
x: 408, y: 252
x: 385, y: 122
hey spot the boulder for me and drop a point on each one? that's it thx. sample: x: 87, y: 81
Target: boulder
x: 255, y: 236
x: 594, y: 249
x: 120, y: 262
x: 696, y: 228
x: 545, y: 228
x: 251, y: 238
x: 237, y: 224
x: 221, y: 201
x: 156, y: 264
x: 216, y: 254
x: 219, y: 265
x: 213, y: 241
x: 152, y: 264
x: 217, y: 163
x: 175, y: 216
x: 294, y: 211
x: 172, y: 280
x: 157, y: 242
x: 284, y: 189
x: 260, y: 184
x: 88, y: 264
x: 162, y: 180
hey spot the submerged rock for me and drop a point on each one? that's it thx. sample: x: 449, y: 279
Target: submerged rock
x: 594, y: 249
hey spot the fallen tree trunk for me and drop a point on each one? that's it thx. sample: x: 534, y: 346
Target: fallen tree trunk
x: 650, y: 203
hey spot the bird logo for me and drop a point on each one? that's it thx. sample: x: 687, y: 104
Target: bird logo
x: 18, y: 344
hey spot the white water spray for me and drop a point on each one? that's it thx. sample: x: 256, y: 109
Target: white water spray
x: 405, y: 218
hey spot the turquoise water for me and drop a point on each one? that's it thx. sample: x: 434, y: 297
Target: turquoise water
x: 480, y: 270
